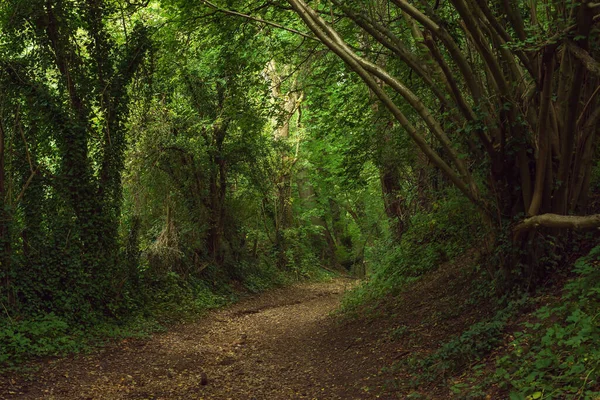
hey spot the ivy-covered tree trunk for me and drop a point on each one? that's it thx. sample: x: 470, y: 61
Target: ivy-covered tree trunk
x: 217, y: 194
x: 289, y: 101
x: 389, y: 163
x: 69, y: 141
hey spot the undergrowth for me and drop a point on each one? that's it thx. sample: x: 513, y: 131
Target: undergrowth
x: 167, y: 299
x: 52, y: 336
x: 557, y: 354
x: 450, y: 228
x: 553, y: 354
x: 468, y: 348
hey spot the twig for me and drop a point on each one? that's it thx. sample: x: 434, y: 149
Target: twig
x: 263, y: 21
x: 7, y: 313
x: 33, y: 173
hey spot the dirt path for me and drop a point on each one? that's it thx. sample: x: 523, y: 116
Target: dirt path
x: 283, y: 344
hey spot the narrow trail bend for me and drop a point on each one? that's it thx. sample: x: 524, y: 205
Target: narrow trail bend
x: 283, y: 344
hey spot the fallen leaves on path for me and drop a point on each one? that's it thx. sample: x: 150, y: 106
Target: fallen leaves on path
x: 284, y: 344
x: 274, y: 346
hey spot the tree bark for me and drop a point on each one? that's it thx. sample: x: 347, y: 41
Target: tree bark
x: 290, y: 101
x: 559, y: 221
x: 5, y: 219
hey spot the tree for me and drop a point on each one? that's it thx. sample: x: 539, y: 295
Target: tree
x: 195, y: 138
x: 512, y: 105
x: 67, y: 81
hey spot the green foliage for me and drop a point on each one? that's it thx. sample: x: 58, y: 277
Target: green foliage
x: 147, y: 166
x: 51, y: 336
x: 558, y: 354
x: 300, y: 255
x: 47, y: 335
x: 166, y: 301
x: 469, y: 347
x: 144, y: 176
x: 170, y: 298
x: 263, y: 275
x: 433, y: 238
x: 66, y: 105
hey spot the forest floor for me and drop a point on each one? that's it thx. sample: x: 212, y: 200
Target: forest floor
x: 282, y: 344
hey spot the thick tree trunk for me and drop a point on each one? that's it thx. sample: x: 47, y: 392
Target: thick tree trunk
x: 5, y: 219
x: 394, y: 202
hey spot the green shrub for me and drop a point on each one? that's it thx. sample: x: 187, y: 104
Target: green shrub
x: 262, y: 275
x: 48, y: 335
x: 559, y: 356
x: 166, y: 298
x: 170, y: 298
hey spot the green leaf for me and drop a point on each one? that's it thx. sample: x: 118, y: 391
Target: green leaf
x: 516, y: 396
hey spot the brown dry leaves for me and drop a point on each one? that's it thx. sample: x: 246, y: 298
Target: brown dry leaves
x: 283, y: 344
x: 266, y: 347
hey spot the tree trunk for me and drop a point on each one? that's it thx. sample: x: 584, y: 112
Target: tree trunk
x: 524, y: 113
x: 395, y: 205
x: 217, y: 194
x: 5, y: 221
x: 283, y: 202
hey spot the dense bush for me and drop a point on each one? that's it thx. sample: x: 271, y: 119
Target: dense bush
x: 43, y: 336
x: 163, y: 299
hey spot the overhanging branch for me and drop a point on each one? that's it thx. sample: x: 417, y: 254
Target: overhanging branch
x: 263, y: 21
x: 559, y: 222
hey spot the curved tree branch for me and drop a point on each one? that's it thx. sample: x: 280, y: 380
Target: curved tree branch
x: 304, y: 12
x: 559, y: 221
x: 399, y: 88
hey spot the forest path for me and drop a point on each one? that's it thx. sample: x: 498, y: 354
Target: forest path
x: 282, y: 344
